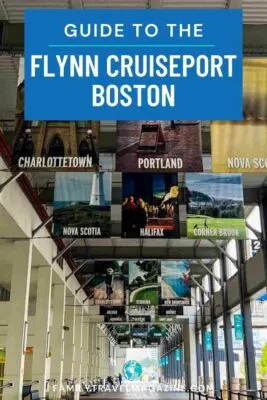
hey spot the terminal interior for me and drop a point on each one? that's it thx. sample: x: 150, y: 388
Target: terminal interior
x: 55, y: 343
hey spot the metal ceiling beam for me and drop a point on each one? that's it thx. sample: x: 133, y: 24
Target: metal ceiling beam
x: 10, y: 180
x: 200, y: 287
x: 54, y: 259
x: 234, y: 4
x: 256, y: 233
x: 209, y: 272
x: 76, y: 270
x: 3, y: 8
x: 254, y: 36
x: 223, y: 251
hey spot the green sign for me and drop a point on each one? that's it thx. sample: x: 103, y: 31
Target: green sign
x: 238, y: 327
x: 178, y: 354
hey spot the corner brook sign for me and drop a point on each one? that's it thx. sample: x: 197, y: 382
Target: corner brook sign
x: 125, y: 64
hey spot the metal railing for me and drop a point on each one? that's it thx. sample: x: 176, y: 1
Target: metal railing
x: 248, y: 394
x: 202, y: 395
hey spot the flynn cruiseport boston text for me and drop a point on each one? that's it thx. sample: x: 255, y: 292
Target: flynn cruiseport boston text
x: 129, y: 66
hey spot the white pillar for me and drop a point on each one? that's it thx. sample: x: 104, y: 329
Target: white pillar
x: 85, y: 350
x: 69, y: 338
x: 18, y: 316
x: 42, y: 325
x: 90, y: 352
x: 78, y: 349
x: 57, y: 340
x: 190, y: 354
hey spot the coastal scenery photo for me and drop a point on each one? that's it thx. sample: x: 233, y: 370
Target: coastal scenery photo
x: 143, y: 282
x: 107, y: 284
x: 82, y: 202
x: 159, y: 146
x: 215, y: 206
x: 175, y: 282
x: 150, y: 205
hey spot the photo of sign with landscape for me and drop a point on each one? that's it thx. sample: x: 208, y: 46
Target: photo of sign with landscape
x: 227, y: 153
x: 159, y: 146
x: 82, y: 202
x: 53, y: 145
x: 150, y: 206
x: 107, y: 284
x: 215, y: 206
x: 143, y: 282
x: 255, y: 89
x: 175, y: 282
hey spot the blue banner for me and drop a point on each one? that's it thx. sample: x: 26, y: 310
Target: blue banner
x: 208, y: 340
x: 238, y: 327
x: 124, y: 64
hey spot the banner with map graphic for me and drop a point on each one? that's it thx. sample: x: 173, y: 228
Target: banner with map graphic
x: 143, y: 282
x: 82, y: 203
x: 175, y: 283
x: 106, y: 286
x: 215, y: 206
x: 150, y: 205
x: 159, y: 146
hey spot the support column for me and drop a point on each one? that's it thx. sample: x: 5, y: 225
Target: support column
x: 227, y: 327
x: 69, y: 338
x: 78, y: 349
x: 42, y: 326
x: 18, y: 316
x: 190, y: 360
x: 248, y: 344
x: 215, y: 345
x: 90, y: 352
x: 57, y: 341
x: 85, y: 350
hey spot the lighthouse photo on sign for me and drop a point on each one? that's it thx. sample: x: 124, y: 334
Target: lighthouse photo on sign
x: 82, y: 204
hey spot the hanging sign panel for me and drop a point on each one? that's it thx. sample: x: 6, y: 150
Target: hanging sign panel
x: 255, y: 89
x: 106, y: 286
x: 150, y: 205
x: 119, y: 63
x: 143, y: 282
x: 82, y: 204
x: 175, y: 282
x: 178, y: 354
x: 215, y: 206
x: 239, y: 146
x: 170, y: 310
x: 208, y: 340
x: 238, y: 327
x: 159, y: 146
